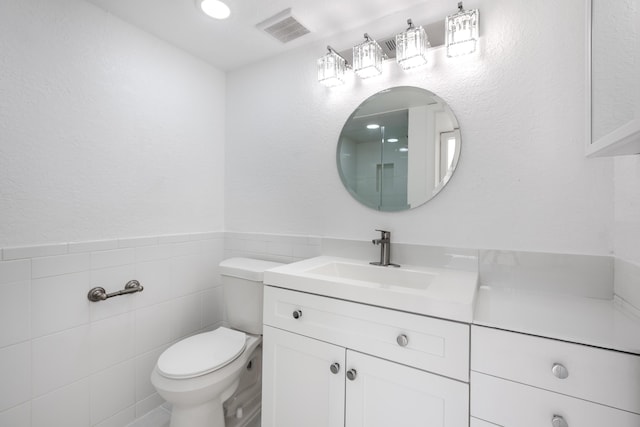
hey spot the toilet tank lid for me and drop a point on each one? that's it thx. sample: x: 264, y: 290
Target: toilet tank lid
x: 246, y: 268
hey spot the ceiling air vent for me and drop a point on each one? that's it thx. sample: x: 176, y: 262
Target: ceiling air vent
x: 389, y: 47
x: 283, y: 27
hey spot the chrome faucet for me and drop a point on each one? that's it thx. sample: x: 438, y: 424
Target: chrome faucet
x: 385, y: 249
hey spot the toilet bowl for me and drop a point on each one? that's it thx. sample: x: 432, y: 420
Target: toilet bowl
x: 199, y: 373
x: 197, y: 397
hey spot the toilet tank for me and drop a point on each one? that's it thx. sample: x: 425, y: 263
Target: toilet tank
x: 242, y: 281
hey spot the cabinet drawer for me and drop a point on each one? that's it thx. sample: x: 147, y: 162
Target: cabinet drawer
x: 510, y: 404
x: 608, y: 377
x: 432, y: 344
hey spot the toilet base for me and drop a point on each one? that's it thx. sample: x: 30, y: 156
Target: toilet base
x: 250, y: 409
x: 209, y: 414
x: 198, y: 401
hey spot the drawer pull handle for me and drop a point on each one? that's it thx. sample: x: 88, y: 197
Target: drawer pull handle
x: 352, y: 374
x: 402, y: 340
x: 559, y: 371
x: 335, y: 368
x: 297, y: 314
x: 558, y: 421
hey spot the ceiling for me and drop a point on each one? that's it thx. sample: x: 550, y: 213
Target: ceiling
x: 235, y: 42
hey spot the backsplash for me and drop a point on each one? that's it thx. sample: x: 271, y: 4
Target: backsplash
x: 271, y: 247
x: 627, y: 285
x: 67, y: 361
x: 563, y: 274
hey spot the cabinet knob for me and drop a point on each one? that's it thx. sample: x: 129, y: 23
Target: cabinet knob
x: 352, y: 374
x: 335, y: 368
x: 558, y: 421
x: 559, y: 371
x: 402, y: 340
x: 297, y: 314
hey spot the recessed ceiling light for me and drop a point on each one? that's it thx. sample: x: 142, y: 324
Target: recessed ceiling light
x: 373, y: 126
x: 215, y: 8
x: 392, y: 140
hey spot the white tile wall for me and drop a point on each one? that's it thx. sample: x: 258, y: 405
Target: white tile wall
x: 15, y: 314
x: 61, y: 264
x: 27, y: 252
x: 65, y: 361
x: 66, y: 406
x: 112, y: 391
x: 60, y: 359
x: 59, y: 303
x: 18, y: 416
x: 271, y: 247
x: 15, y: 271
x: 16, y: 374
x: 111, y: 341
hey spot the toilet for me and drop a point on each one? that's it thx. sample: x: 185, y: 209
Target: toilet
x: 213, y: 379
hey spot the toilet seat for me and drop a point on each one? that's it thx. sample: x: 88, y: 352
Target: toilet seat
x: 202, y: 353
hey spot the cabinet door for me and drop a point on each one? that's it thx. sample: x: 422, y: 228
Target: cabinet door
x: 298, y: 387
x: 384, y: 394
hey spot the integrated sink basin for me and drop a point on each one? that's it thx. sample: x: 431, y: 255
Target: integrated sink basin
x: 385, y: 277
x: 437, y: 292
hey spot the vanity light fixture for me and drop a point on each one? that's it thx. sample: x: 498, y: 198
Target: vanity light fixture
x: 331, y: 68
x: 367, y: 58
x: 411, y: 47
x: 215, y: 8
x: 461, y: 31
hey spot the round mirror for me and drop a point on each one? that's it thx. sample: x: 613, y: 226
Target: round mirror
x: 398, y: 149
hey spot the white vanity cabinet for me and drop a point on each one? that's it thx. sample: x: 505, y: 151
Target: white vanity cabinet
x: 330, y: 363
x: 519, y: 380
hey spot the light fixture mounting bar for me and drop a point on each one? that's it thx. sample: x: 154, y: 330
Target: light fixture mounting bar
x: 332, y: 50
x: 434, y: 32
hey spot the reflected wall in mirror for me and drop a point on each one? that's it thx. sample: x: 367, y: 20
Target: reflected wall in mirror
x: 398, y: 149
x: 614, y: 115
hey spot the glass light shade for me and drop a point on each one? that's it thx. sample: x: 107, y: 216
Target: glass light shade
x: 367, y: 59
x: 215, y: 9
x: 411, y: 48
x: 462, y: 32
x: 331, y: 69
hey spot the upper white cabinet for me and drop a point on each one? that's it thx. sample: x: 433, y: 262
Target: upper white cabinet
x: 613, y: 67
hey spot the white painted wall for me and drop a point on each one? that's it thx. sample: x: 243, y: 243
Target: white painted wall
x: 522, y: 183
x: 105, y: 131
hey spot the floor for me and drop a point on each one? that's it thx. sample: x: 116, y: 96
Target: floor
x: 160, y: 416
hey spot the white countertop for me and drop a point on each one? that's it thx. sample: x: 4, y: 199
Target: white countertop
x: 597, y: 322
x: 437, y: 292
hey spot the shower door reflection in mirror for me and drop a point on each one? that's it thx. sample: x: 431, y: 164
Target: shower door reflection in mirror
x: 398, y: 149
